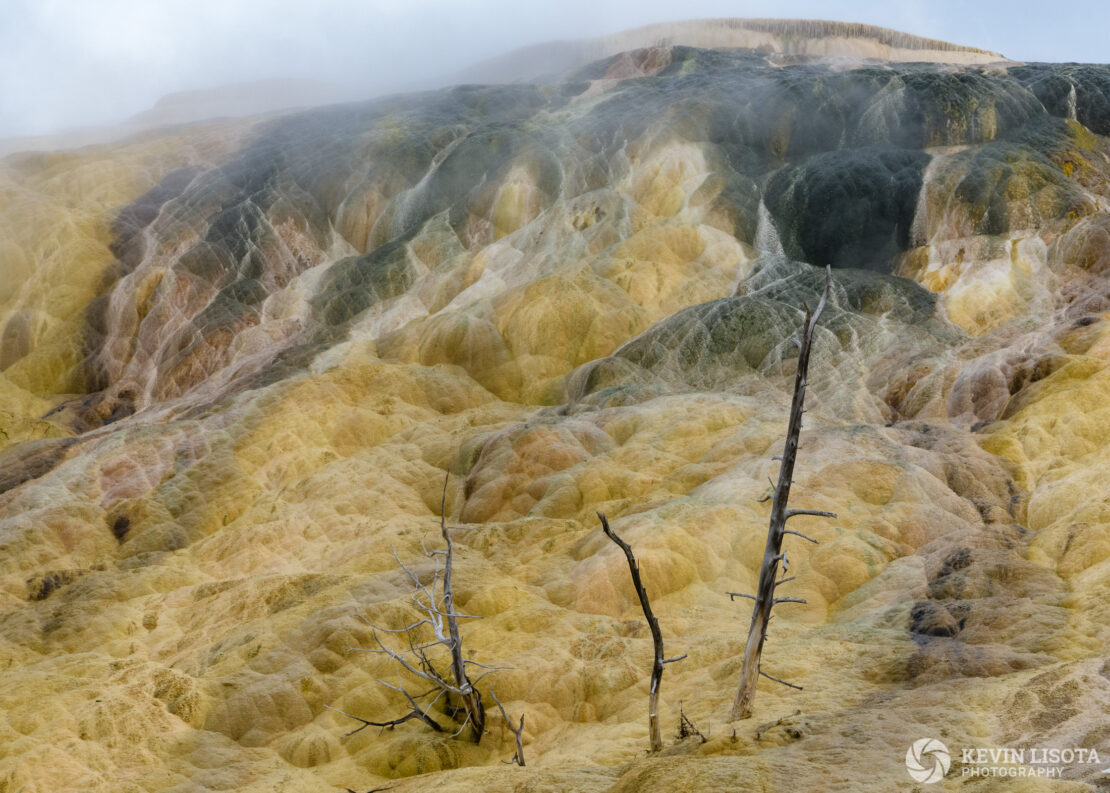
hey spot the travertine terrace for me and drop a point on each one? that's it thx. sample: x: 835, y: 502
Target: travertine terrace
x: 239, y: 358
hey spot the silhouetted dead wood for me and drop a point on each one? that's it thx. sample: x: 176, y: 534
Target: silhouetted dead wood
x: 416, y: 713
x: 656, y: 636
x: 765, y: 598
x: 438, y: 628
x: 686, y: 727
x: 518, y: 732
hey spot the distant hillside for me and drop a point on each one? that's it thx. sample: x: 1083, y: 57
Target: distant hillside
x: 800, y: 37
x: 787, y: 36
x: 237, y: 100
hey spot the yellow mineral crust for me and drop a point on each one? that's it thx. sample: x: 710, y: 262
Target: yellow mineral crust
x: 186, y: 547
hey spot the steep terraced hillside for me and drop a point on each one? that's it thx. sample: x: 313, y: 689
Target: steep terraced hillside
x: 238, y: 360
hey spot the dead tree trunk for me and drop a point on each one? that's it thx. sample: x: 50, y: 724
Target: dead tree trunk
x: 472, y: 700
x: 656, y: 636
x: 442, y: 620
x: 765, y: 598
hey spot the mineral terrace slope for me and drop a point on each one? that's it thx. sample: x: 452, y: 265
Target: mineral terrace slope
x: 238, y: 361
x: 793, y: 38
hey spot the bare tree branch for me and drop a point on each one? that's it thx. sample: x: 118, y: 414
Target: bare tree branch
x: 441, y: 620
x: 776, y: 529
x: 475, y: 711
x: 656, y: 635
x: 432, y: 677
x: 734, y: 595
x: 819, y: 513
x: 686, y: 727
x: 518, y: 732
x: 769, y: 677
x: 462, y: 726
x: 415, y: 713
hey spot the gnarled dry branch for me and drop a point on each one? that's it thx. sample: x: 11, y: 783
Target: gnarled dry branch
x: 518, y: 731
x: 656, y: 636
x: 435, y: 601
x: 686, y: 727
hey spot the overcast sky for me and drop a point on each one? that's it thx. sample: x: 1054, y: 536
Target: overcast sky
x: 72, y: 63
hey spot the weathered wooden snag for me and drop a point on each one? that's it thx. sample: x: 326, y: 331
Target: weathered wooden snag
x: 765, y: 598
x: 518, y: 732
x: 656, y: 636
x: 441, y: 619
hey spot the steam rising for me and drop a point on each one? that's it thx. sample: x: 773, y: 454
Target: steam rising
x: 70, y: 65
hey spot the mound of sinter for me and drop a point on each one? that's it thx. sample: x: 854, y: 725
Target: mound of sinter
x: 238, y: 359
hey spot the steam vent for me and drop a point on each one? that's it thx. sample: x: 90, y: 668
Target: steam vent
x: 239, y: 358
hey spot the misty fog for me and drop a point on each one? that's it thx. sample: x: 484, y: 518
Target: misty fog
x: 70, y: 65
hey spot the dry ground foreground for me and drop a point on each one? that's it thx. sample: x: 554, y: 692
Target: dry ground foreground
x: 239, y: 359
